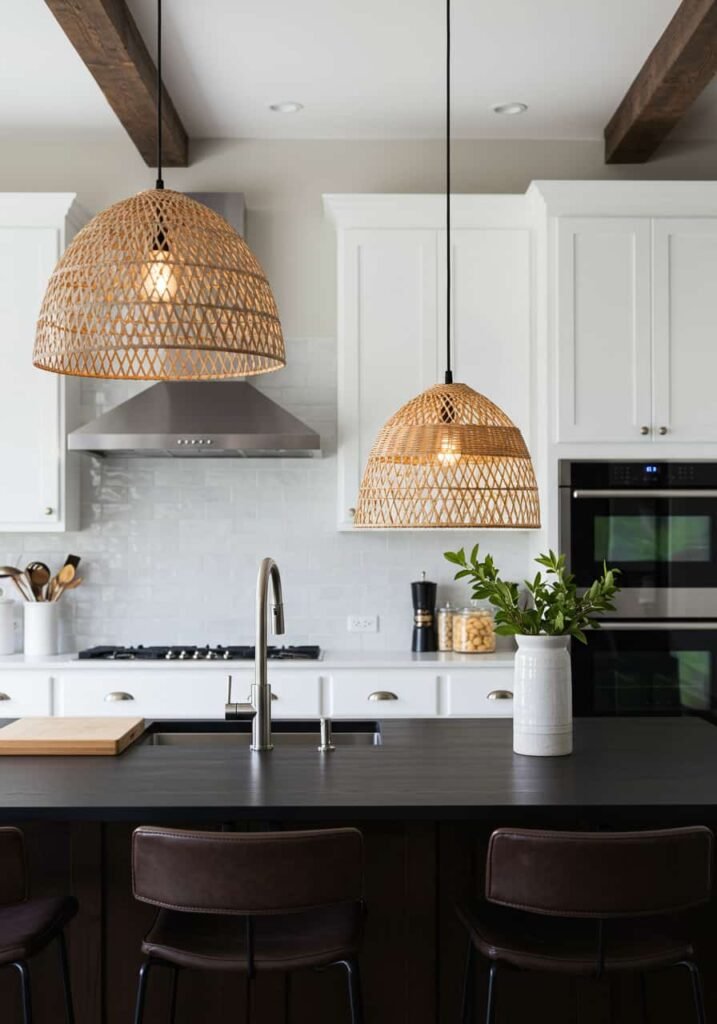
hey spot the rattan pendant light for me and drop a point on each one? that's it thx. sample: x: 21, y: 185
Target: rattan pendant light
x: 449, y: 458
x: 159, y: 287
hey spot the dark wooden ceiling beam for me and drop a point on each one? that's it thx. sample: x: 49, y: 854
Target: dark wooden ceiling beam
x: 682, y: 63
x: 107, y: 39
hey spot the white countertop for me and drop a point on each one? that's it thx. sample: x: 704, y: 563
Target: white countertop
x: 329, y: 660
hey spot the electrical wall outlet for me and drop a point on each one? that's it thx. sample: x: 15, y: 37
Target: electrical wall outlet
x: 362, y: 624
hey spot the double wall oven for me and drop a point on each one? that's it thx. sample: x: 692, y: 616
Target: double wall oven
x: 657, y: 523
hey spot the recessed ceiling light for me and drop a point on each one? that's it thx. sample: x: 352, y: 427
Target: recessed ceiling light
x: 286, y: 107
x: 510, y: 108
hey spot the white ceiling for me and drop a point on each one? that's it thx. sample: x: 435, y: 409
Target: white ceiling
x: 372, y: 69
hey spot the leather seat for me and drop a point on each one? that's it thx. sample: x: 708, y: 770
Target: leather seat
x: 26, y: 928
x: 587, y: 903
x: 567, y: 946
x: 313, y: 938
x: 250, y: 902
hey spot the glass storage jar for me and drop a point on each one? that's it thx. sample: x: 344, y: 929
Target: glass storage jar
x: 473, y: 631
x: 445, y: 627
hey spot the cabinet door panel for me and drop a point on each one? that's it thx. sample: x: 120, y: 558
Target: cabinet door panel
x: 492, y: 327
x: 150, y: 694
x: 399, y: 693
x: 30, y: 406
x: 387, y: 348
x: 603, y: 328
x: 684, y: 317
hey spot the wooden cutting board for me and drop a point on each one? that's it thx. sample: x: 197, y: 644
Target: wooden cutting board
x: 70, y: 736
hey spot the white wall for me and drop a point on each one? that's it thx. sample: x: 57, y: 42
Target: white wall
x: 170, y: 548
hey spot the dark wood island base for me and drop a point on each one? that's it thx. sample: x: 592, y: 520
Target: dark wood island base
x: 421, y: 858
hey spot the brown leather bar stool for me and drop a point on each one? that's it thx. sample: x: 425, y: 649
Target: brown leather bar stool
x: 250, y: 902
x: 587, y: 903
x: 27, y: 926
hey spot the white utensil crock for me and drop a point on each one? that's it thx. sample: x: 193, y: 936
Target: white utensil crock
x: 542, y: 697
x: 41, y: 628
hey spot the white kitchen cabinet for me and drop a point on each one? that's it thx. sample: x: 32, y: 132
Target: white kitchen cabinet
x: 399, y: 693
x: 392, y: 315
x: 684, y: 318
x: 39, y: 491
x: 25, y: 693
x: 479, y: 695
x: 603, y: 329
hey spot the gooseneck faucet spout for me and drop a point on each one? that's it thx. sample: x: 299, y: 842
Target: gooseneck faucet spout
x: 261, y: 690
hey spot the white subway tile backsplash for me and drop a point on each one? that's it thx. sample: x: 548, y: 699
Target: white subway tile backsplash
x: 170, y: 548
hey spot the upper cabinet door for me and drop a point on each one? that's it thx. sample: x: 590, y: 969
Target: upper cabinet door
x: 684, y: 319
x: 603, y: 328
x: 31, y: 433
x: 387, y: 340
x: 492, y: 316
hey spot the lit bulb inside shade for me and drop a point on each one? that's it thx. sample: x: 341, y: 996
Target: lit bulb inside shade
x: 159, y: 281
x: 449, y: 453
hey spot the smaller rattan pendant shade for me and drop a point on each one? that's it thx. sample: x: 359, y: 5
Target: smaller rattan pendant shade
x: 159, y: 287
x: 449, y: 459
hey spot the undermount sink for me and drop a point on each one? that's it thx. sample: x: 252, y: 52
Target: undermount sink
x: 219, y: 733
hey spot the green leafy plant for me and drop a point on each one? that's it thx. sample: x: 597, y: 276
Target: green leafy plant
x: 552, y: 606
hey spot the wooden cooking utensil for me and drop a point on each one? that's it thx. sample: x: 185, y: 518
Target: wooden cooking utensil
x: 64, y: 577
x: 39, y: 576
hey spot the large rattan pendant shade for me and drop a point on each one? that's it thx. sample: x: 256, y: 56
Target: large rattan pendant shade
x: 449, y: 459
x: 159, y: 287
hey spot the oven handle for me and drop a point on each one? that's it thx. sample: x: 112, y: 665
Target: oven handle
x: 660, y: 624
x: 647, y: 493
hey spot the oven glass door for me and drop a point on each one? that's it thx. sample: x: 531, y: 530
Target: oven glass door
x: 646, y: 669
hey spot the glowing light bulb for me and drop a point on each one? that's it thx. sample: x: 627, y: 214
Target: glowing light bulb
x: 159, y: 280
x: 449, y: 452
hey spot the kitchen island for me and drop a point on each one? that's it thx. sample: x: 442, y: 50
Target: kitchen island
x: 426, y: 797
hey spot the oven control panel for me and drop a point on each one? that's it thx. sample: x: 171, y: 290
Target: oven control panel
x: 642, y: 475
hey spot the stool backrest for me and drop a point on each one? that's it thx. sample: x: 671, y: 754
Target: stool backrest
x: 600, y: 874
x: 247, y: 873
x: 13, y: 873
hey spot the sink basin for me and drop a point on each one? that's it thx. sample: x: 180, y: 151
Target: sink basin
x: 217, y: 734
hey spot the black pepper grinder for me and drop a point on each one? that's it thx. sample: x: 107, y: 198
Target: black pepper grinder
x: 423, y: 592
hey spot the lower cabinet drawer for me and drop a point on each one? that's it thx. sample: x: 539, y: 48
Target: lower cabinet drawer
x: 394, y: 694
x: 25, y: 693
x: 489, y: 695
x: 149, y: 695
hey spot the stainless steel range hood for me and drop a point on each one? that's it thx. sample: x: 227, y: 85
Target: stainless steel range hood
x: 214, y: 419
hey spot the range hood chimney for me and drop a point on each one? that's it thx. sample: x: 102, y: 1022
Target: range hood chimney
x: 216, y: 419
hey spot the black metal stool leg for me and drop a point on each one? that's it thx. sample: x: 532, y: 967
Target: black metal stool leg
x: 469, y: 976
x: 490, y: 1001
x: 643, y: 997
x: 353, y: 974
x: 66, y: 984
x: 24, y: 972
x: 173, y: 997
x: 697, y: 996
x: 142, y: 991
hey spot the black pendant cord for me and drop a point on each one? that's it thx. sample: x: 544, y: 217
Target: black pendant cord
x: 160, y: 183
x: 449, y: 371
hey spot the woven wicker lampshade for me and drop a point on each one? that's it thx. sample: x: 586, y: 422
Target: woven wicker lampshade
x: 159, y: 287
x: 449, y: 458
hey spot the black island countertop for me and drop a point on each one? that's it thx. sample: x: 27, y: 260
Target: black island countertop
x: 449, y: 769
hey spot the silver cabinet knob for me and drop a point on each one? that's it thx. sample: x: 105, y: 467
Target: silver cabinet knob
x: 49, y: 510
x: 4, y: 696
x: 382, y: 695
x: 118, y: 695
x: 500, y: 695
x: 663, y: 431
x: 644, y: 430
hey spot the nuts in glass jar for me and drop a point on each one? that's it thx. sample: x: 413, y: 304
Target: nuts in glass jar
x: 445, y: 628
x: 473, y: 631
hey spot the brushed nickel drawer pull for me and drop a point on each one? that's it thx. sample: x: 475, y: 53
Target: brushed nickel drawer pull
x: 500, y: 695
x: 119, y: 695
x: 382, y: 695
x: 274, y: 696
x: 4, y: 696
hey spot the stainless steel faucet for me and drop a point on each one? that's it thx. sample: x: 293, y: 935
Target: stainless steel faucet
x: 259, y: 707
x: 261, y: 691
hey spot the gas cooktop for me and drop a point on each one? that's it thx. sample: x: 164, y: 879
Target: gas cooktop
x: 218, y: 653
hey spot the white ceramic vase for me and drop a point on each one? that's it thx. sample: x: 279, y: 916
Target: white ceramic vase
x: 542, y: 697
x: 41, y: 628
